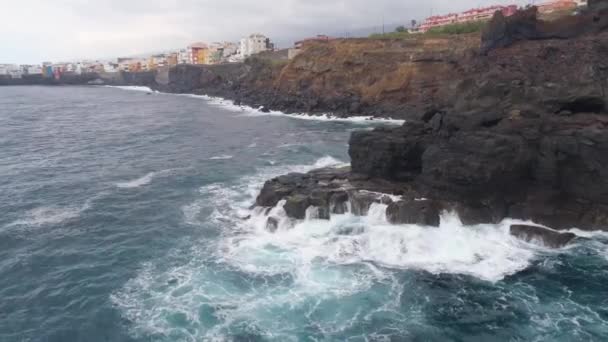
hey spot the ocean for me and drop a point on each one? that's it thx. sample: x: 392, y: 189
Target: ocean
x: 125, y: 215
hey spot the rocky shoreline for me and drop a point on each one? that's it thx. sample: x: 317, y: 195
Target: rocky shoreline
x: 510, y: 126
x: 541, y: 160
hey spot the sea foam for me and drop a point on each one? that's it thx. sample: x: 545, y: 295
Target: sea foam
x: 257, y: 112
x: 305, y: 267
x: 48, y: 216
x: 135, y: 88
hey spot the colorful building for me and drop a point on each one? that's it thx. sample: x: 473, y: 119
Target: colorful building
x: 172, y: 59
x: 475, y: 14
x: 197, y: 53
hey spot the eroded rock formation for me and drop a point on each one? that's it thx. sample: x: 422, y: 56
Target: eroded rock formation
x: 520, y: 132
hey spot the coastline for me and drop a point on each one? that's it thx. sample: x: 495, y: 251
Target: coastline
x: 487, y: 134
x: 248, y: 110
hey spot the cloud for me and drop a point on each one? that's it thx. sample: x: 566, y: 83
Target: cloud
x: 71, y: 29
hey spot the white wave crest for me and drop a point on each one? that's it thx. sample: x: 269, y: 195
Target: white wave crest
x: 134, y: 88
x: 221, y: 157
x: 136, y: 183
x: 487, y: 252
x: 255, y: 112
x: 50, y: 215
x: 249, y: 111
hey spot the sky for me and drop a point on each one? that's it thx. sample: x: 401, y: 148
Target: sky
x: 32, y: 31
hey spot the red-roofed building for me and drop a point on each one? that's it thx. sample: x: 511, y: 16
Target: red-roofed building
x: 558, y: 5
x: 475, y: 14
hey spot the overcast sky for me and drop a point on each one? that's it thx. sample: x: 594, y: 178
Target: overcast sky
x: 32, y: 31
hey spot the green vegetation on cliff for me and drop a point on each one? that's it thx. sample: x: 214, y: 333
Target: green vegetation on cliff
x: 458, y: 28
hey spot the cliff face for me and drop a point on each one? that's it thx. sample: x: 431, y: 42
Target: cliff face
x: 413, y: 78
x: 393, y: 78
x: 520, y: 131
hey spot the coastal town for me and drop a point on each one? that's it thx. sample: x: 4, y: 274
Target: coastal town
x: 202, y: 53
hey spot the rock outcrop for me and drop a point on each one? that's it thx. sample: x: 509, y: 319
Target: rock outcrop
x: 525, y: 25
x: 520, y: 132
x: 546, y: 237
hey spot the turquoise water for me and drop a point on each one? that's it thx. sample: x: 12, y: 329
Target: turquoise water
x: 126, y: 217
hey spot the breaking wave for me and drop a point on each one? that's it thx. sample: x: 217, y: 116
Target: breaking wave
x: 135, y: 88
x: 273, y: 285
x: 250, y: 111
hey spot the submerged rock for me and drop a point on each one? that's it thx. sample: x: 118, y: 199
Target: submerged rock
x: 547, y: 237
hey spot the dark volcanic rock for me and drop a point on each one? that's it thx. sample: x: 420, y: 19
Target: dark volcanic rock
x: 547, y: 237
x: 423, y: 212
x: 339, y: 203
x: 360, y: 202
x: 477, y: 162
x: 296, y: 205
x: 524, y: 25
x: 389, y: 153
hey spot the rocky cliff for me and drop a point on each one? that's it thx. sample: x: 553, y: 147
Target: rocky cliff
x: 518, y: 63
x: 520, y: 130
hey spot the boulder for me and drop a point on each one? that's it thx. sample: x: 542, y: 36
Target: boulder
x: 547, y: 237
x: 338, y: 203
x: 422, y: 212
x: 296, y: 206
x: 361, y: 201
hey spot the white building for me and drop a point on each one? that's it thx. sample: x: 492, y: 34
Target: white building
x: 31, y: 69
x: 255, y: 44
x: 110, y: 67
x: 183, y: 57
x: 12, y: 70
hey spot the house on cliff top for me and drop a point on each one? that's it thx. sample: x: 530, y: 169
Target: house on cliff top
x: 475, y: 14
x: 255, y: 44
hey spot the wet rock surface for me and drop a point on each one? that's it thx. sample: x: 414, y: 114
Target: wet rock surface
x: 546, y: 237
x: 422, y: 212
x: 547, y: 168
